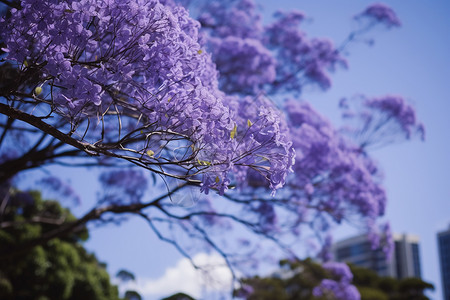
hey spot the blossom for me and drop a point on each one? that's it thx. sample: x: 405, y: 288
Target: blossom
x: 341, y: 288
x: 340, y: 270
x: 299, y: 56
x: 260, y: 124
x: 245, y: 65
x: 380, y: 13
x: 336, y: 290
x: 137, y: 67
x: 237, y: 18
x: 377, y: 121
x: 332, y: 166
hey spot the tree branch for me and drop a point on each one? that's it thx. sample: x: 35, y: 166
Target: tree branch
x: 38, y: 123
x: 92, y: 215
x: 34, y: 220
x: 96, y: 149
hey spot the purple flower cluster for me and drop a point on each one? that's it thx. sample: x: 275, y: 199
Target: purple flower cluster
x: 387, y: 241
x: 237, y: 18
x: 395, y: 107
x: 245, y: 64
x: 381, y: 120
x: 331, y: 174
x: 278, y: 57
x: 332, y: 289
x: 259, y: 126
x: 92, y: 52
x: 380, y: 13
x: 141, y: 60
x: 334, y: 178
x: 340, y: 289
x: 333, y: 181
x: 381, y: 238
x: 299, y: 57
x: 340, y: 270
x: 233, y: 35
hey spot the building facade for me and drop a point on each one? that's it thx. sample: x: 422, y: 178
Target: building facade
x: 405, y: 260
x: 444, y: 261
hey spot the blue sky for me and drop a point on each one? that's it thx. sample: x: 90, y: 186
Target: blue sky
x: 412, y: 61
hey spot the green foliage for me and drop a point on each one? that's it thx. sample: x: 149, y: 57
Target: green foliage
x: 60, y: 269
x: 179, y: 296
x: 373, y: 287
x: 297, y: 279
x: 369, y: 293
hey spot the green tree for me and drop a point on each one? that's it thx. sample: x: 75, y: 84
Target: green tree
x: 374, y: 287
x: 295, y: 280
x: 59, y: 269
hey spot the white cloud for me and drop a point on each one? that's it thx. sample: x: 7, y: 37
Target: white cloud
x: 214, y: 276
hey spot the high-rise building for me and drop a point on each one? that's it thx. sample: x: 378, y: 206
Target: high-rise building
x: 444, y: 259
x: 405, y: 261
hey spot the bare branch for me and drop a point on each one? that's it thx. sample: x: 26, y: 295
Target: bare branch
x: 167, y: 240
x: 94, y: 214
x: 34, y: 220
x: 49, y: 129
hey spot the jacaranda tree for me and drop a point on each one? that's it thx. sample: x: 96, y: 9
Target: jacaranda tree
x: 206, y: 104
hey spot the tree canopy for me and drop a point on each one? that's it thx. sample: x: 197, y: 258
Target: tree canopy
x: 307, y: 279
x: 60, y: 269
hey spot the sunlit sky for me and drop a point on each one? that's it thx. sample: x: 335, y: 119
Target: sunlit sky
x: 412, y: 61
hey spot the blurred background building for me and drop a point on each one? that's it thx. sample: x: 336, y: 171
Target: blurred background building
x: 444, y: 261
x: 404, y: 263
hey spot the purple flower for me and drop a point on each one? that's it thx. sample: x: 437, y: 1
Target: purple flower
x: 261, y: 126
x: 375, y: 122
x: 336, y: 290
x: 236, y: 18
x: 340, y: 270
x: 140, y: 62
x: 331, y: 175
x: 380, y: 13
x: 341, y: 288
x: 325, y: 253
x: 298, y: 56
x: 387, y: 241
x: 245, y: 65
